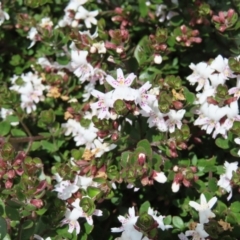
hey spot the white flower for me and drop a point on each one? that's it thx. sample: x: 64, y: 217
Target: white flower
x: 225, y: 179
x: 220, y: 64
x: 46, y: 23
x: 87, y: 91
x: 200, y: 75
x: 85, y: 136
x: 70, y: 127
x: 74, y: 4
x: 158, y: 219
x: 82, y: 68
x: 145, y: 99
x: 65, y: 189
x: 71, y: 217
x: 3, y: 15
x: 99, y: 47
x: 122, y: 86
x: 101, y: 148
x: 33, y: 36
x: 128, y: 225
x: 175, y: 118
x: 7, y: 112
x: 83, y: 182
x: 88, y: 17
x: 198, y: 234
x: 103, y: 104
x: 204, y: 208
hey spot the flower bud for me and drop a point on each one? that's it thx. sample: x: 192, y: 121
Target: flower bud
x: 175, y: 187
x: 11, y: 174
x: 141, y: 158
x: 8, y: 184
x: 186, y: 182
x: 38, y: 203
x: 114, y: 137
x: 177, y: 105
x: 157, y: 59
x: 175, y: 168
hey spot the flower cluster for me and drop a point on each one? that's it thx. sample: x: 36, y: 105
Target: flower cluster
x: 130, y: 224
x: 204, y: 210
x: 217, y: 110
x: 30, y: 87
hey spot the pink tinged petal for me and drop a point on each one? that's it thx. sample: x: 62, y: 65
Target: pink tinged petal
x: 145, y: 87
x: 89, y: 220
x: 233, y: 90
x: 179, y: 124
x: 120, y: 74
x: 112, y: 81
x: 98, y: 212
x: 128, y: 81
x: 97, y: 94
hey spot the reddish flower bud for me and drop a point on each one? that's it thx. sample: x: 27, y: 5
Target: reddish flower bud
x: 141, y: 158
x: 230, y: 13
x: 186, y: 183
x: 114, y: 137
x: 178, y: 177
x: 194, y: 169
x: 221, y: 17
x: 8, y: 184
x: 38, y: 203
x: 177, y: 105
x: 19, y: 171
x: 115, y: 125
x: 102, y: 134
x: 11, y: 174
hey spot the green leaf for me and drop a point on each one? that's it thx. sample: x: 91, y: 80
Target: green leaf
x: 144, y: 207
x: 235, y: 207
x: 12, y: 213
x: 93, y: 191
x: 18, y: 133
x: 48, y: 146
x: 147, y: 147
x: 27, y: 224
x: 212, y: 185
x: 4, y: 128
x: 14, y: 204
x: 222, y: 143
x: 3, y: 227
x: 178, y: 222
x: 143, y: 8
x: 41, y: 211
x: 36, y: 145
x: 190, y: 97
x: 88, y: 228
x: 167, y: 220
